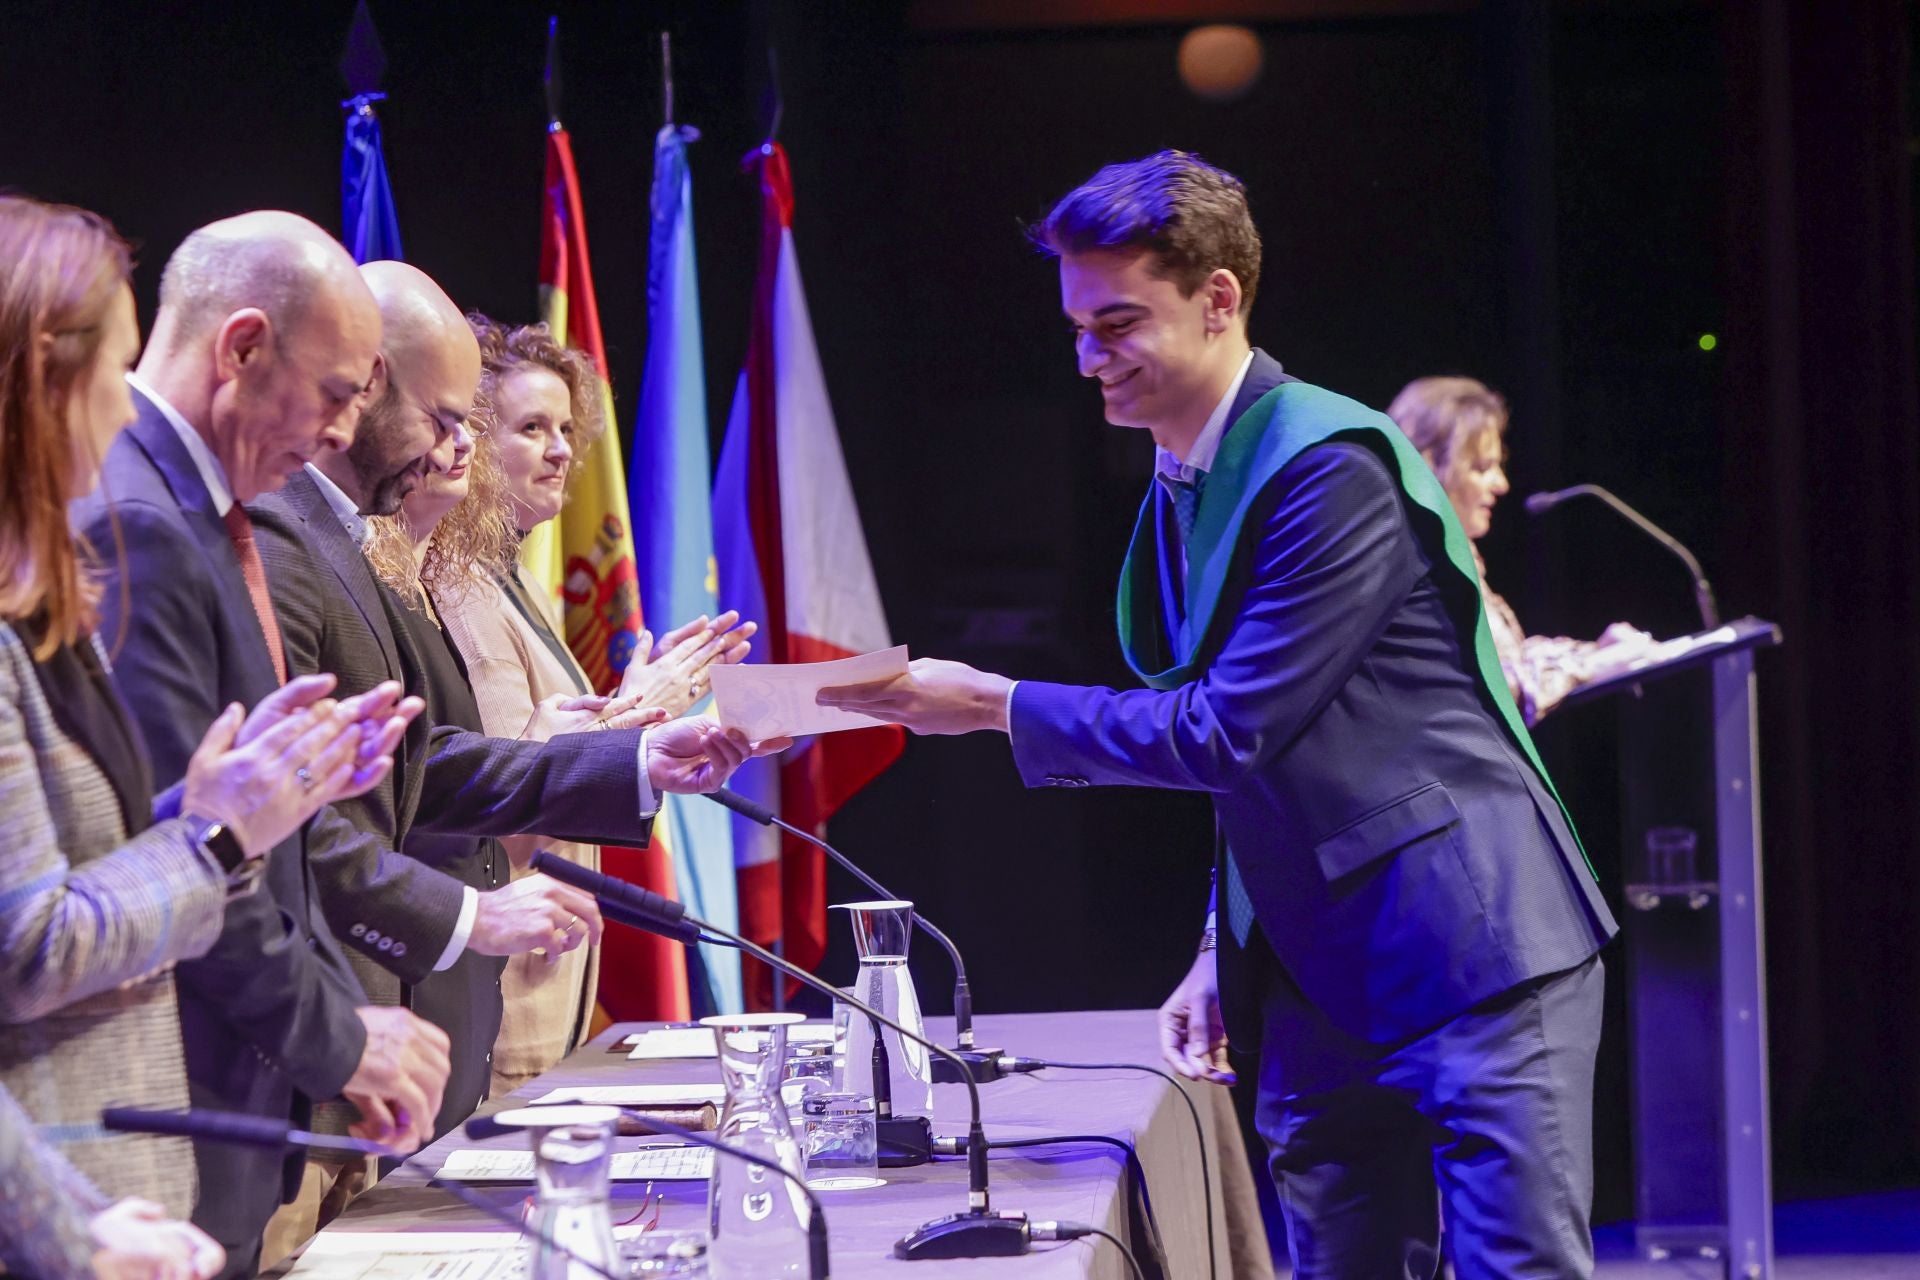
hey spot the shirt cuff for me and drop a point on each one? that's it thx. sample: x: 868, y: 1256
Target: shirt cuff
x: 1010, y: 689
x: 462, y: 928
x: 649, y: 802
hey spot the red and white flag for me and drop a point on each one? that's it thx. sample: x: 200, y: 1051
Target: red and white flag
x: 790, y: 552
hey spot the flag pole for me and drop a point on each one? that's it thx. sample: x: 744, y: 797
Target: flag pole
x: 666, y: 73
x: 553, y: 71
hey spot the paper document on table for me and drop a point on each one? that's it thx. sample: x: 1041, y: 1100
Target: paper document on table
x: 384, y: 1255
x: 697, y: 1042
x: 666, y: 1162
x: 639, y: 1095
x: 767, y: 701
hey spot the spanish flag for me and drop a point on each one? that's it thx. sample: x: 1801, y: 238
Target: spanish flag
x: 586, y: 558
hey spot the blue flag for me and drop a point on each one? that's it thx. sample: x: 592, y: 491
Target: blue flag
x: 371, y: 228
x: 673, y: 528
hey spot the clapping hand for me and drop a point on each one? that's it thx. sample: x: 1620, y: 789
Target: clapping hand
x: 265, y: 774
x: 673, y: 675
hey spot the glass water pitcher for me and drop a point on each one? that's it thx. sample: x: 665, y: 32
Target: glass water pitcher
x: 757, y: 1219
x: 881, y: 931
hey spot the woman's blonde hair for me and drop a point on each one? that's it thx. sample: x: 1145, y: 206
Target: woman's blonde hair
x: 471, y: 544
x: 1445, y: 418
x: 505, y: 349
x: 60, y: 270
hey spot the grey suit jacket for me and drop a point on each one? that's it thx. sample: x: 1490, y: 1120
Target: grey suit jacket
x: 91, y: 924
x: 267, y: 1015
x: 335, y: 616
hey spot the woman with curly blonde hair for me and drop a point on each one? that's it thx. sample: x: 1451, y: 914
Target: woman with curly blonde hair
x: 541, y: 409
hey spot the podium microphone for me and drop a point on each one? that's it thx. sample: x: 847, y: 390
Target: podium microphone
x: 754, y: 811
x: 481, y: 1128
x: 980, y: 1232
x: 234, y: 1128
x: 1539, y: 503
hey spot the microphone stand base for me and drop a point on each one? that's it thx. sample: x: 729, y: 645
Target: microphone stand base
x: 967, y: 1235
x: 904, y: 1141
x: 983, y: 1063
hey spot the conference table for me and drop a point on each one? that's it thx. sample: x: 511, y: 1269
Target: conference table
x: 407, y: 1220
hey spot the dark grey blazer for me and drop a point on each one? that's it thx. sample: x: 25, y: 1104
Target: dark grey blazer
x: 267, y: 1015
x: 335, y: 616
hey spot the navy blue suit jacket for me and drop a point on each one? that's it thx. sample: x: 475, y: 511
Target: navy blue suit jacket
x: 1401, y: 857
x: 267, y: 1016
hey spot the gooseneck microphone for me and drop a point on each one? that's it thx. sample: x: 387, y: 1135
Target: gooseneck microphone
x: 234, y: 1128
x: 480, y: 1128
x: 754, y: 811
x: 980, y: 1232
x: 1538, y: 503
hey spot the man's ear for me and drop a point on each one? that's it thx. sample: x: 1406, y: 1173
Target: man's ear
x: 244, y: 337
x: 1224, y: 296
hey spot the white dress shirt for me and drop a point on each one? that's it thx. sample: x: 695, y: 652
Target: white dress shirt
x: 212, y: 474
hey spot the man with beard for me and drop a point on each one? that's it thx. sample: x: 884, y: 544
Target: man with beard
x: 408, y: 924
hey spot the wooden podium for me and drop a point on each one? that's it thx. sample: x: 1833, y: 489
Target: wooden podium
x: 1694, y: 936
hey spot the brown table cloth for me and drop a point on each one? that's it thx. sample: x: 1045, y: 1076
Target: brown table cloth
x: 1079, y: 1183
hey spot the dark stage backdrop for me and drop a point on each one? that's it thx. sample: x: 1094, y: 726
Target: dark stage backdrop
x: 1559, y: 200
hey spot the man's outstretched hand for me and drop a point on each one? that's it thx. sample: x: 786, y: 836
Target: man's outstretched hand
x: 933, y: 697
x: 694, y: 755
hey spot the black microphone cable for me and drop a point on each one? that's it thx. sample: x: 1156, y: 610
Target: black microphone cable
x: 1076, y: 1230
x: 958, y: 1146
x: 1199, y: 1130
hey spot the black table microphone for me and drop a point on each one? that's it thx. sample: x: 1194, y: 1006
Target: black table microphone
x: 1538, y: 503
x: 980, y: 1232
x: 754, y: 811
x: 234, y: 1128
x: 481, y: 1128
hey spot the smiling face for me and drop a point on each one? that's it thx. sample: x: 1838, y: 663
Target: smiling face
x: 444, y: 482
x: 1477, y: 479
x: 1162, y: 360
x: 424, y: 404
x: 534, y: 432
x: 100, y: 403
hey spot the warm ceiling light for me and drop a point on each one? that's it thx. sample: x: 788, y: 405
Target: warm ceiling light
x: 1220, y: 62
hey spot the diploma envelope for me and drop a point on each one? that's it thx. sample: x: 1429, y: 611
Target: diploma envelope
x: 767, y: 701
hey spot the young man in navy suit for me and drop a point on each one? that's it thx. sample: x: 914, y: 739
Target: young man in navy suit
x: 1406, y: 926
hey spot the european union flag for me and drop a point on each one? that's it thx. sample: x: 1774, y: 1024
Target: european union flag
x: 371, y: 227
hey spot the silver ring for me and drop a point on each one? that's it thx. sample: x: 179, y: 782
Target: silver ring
x: 573, y: 922
x: 305, y: 776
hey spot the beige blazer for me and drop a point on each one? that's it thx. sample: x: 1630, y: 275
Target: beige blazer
x: 546, y: 1007
x: 91, y: 924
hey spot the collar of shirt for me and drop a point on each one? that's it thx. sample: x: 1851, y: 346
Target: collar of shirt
x: 1169, y: 469
x: 346, y: 508
x: 212, y: 474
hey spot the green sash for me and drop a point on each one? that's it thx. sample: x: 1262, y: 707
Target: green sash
x: 1264, y: 439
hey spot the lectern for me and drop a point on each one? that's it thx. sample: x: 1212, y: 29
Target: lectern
x: 1695, y: 946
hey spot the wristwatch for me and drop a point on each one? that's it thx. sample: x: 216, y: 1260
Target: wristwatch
x: 220, y: 844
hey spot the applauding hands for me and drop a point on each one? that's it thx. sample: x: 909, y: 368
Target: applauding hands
x: 265, y: 774
x: 673, y: 674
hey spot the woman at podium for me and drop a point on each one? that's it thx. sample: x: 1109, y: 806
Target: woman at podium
x: 1459, y: 426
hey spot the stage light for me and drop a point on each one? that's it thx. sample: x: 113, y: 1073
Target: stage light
x: 1220, y: 62
x: 1708, y: 342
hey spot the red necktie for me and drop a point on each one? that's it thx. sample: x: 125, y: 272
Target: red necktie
x: 240, y: 529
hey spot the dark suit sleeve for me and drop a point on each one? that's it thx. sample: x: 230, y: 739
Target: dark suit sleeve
x: 1332, y: 562
x: 397, y: 911
x: 260, y: 972
x: 578, y: 786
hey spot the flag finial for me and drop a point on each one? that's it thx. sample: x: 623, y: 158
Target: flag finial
x: 363, y: 63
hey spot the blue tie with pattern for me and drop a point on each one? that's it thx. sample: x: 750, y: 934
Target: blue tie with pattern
x: 1186, y: 505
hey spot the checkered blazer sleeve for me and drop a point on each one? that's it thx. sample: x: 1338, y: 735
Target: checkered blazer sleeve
x: 44, y: 1204
x: 69, y: 932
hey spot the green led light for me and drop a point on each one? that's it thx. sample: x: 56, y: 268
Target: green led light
x: 1708, y: 342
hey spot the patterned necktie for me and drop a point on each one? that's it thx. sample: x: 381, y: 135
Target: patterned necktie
x: 240, y: 530
x: 1186, y: 504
